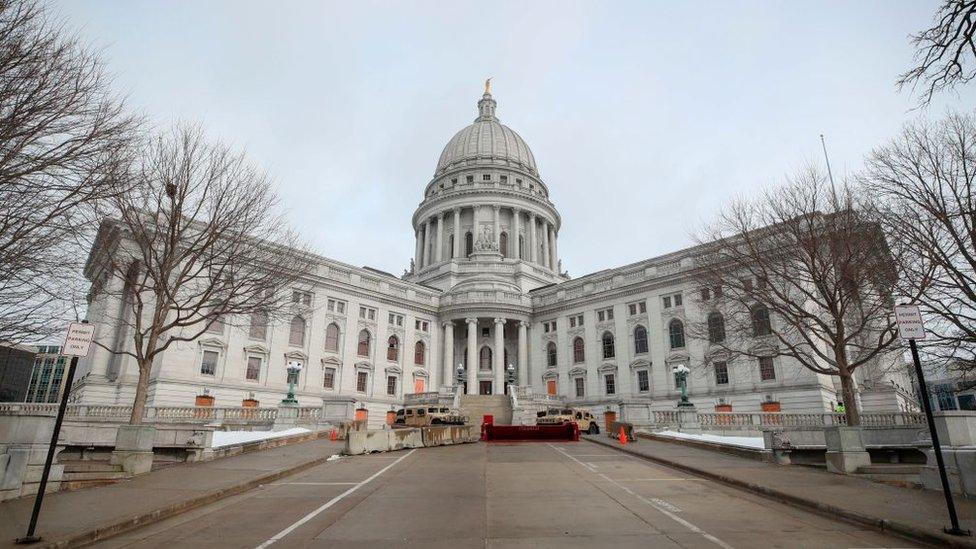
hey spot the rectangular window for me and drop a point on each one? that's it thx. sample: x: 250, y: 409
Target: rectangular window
x: 361, y: 378
x: 421, y: 325
x: 642, y: 306
x: 643, y: 381
x: 599, y: 316
x: 579, y: 320
x: 610, y: 384
x: 216, y: 327
x: 766, y: 370
x: 253, y: 372
x: 469, y: 179
x: 666, y: 301
x: 396, y: 319
x: 259, y: 326
x: 717, y: 290
x: 301, y: 298
x: 486, y: 177
x: 706, y: 294
x: 677, y: 300
x: 632, y: 308
x: 580, y: 387
x: 485, y: 332
x: 604, y: 314
x: 572, y: 322
x: 328, y: 380
x: 391, y: 383
x: 208, y: 365
x: 721, y: 373
x: 367, y: 313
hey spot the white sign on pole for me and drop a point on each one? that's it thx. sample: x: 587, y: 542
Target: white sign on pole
x: 909, y: 319
x: 78, y: 340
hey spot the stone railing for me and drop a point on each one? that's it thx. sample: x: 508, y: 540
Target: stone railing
x: 158, y: 414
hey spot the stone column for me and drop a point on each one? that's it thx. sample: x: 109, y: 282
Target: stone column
x: 449, y: 375
x: 457, y: 232
x: 517, y: 229
x: 496, y: 210
x: 553, y: 257
x: 498, y: 356
x: 472, y: 355
x: 545, y: 244
x: 440, y: 237
x: 418, y: 256
x: 523, y: 353
x: 534, y: 255
x: 429, y: 242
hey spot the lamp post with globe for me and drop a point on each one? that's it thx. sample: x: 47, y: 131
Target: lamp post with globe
x: 294, y: 368
x: 681, y: 377
x: 511, y: 376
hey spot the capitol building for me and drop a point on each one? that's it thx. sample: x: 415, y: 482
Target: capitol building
x: 484, y: 305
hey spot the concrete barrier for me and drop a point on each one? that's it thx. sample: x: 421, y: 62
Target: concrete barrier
x: 367, y: 441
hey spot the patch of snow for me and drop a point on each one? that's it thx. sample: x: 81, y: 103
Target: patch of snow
x: 334, y: 457
x: 230, y: 438
x: 744, y: 442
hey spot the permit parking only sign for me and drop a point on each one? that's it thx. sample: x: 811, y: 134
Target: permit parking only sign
x: 79, y: 339
x: 909, y: 319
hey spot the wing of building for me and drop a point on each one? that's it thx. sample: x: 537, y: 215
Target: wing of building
x: 485, y: 304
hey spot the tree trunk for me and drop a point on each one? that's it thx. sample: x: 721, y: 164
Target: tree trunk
x: 850, y: 400
x: 142, y: 391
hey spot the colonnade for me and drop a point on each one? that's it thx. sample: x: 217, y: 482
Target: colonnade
x: 540, y: 235
x: 498, y: 366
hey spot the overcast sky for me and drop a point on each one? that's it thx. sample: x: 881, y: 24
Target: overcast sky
x: 644, y: 117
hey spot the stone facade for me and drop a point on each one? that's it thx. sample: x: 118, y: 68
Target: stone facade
x: 488, y: 304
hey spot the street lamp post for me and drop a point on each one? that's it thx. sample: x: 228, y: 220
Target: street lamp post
x: 681, y: 375
x: 294, y: 368
x: 511, y: 376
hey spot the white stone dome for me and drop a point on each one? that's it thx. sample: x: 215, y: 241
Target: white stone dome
x: 486, y: 142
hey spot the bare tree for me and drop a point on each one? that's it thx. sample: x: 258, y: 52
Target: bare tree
x: 801, y: 272
x: 924, y: 179
x: 62, y: 135
x: 199, y: 244
x: 945, y: 53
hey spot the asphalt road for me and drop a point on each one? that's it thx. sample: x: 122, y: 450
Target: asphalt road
x: 536, y: 495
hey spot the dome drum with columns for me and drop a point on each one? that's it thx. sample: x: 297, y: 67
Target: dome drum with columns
x: 486, y: 211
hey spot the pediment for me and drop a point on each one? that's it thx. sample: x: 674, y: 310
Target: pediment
x: 639, y: 363
x: 212, y: 342
x: 607, y: 368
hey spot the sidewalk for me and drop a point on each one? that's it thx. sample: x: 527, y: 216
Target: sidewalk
x: 69, y: 518
x: 915, y: 513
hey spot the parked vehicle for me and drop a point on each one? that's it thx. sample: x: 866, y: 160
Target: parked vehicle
x: 423, y: 415
x: 554, y: 416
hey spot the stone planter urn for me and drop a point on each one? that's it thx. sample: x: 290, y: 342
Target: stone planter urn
x: 771, y: 406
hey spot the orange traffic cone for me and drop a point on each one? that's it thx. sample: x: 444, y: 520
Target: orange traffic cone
x: 623, y: 436
x: 333, y: 436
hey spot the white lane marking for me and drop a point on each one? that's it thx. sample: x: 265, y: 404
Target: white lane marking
x: 592, y: 467
x: 313, y: 484
x: 660, y: 479
x: 330, y: 503
x: 657, y: 506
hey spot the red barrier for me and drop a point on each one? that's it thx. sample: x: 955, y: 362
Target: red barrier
x: 566, y: 432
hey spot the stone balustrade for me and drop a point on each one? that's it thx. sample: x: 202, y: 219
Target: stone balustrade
x: 159, y: 414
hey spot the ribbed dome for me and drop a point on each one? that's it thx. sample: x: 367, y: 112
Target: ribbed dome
x: 486, y: 142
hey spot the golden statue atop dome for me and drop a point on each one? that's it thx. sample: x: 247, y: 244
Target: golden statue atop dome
x: 488, y: 85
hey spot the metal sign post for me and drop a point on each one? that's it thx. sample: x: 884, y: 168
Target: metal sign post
x: 76, y: 344
x: 911, y: 327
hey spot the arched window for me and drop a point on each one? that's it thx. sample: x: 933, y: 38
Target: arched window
x: 503, y: 244
x: 608, y: 348
x: 468, y: 244
x: 716, y: 328
x: 450, y: 248
x: 296, y: 332
x: 640, y: 340
x: 760, y: 321
x: 676, y: 333
x: 393, y: 349
x: 419, y: 353
x: 484, y: 359
x: 521, y: 247
x: 551, y: 355
x: 579, y: 351
x: 363, y: 347
x: 332, y: 338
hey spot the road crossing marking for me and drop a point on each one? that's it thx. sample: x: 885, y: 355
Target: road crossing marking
x: 330, y: 503
x: 655, y: 503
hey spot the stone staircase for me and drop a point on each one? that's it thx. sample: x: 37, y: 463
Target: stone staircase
x: 477, y: 406
x: 84, y: 473
x: 528, y: 406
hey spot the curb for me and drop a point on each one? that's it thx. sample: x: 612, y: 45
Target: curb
x: 904, y: 530
x: 126, y: 524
